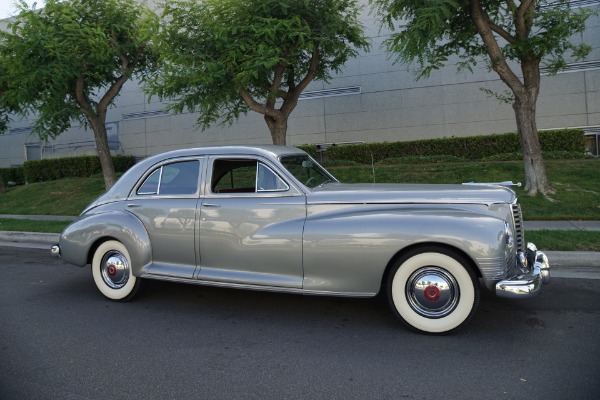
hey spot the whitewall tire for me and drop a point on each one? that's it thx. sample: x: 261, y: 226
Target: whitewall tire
x: 111, y: 268
x: 433, y: 290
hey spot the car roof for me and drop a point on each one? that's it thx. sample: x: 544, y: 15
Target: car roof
x: 268, y: 150
x: 123, y: 186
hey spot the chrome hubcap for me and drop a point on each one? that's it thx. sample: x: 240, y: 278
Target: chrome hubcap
x: 114, y: 269
x: 432, y: 292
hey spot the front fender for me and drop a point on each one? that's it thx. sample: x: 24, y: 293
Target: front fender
x: 358, y: 243
x: 80, y: 238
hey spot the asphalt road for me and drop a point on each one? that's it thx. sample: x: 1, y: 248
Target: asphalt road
x: 59, y: 339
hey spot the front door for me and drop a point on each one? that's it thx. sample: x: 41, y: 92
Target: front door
x: 251, y: 225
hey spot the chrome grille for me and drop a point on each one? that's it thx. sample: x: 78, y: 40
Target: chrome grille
x: 519, y: 228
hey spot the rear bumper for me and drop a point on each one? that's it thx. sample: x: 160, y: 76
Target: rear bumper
x: 55, y: 250
x: 535, y: 272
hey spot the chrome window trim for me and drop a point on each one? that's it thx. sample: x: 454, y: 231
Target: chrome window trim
x: 157, y: 192
x: 257, y: 190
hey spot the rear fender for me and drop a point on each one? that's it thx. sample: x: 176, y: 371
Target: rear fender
x: 80, y: 239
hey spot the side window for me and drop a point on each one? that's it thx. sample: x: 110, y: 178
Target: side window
x: 234, y: 176
x: 179, y: 178
x: 244, y: 176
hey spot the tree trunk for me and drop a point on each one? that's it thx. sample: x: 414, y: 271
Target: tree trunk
x: 106, y: 161
x: 278, y: 128
x: 536, y: 180
x: 2, y: 186
x: 525, y: 92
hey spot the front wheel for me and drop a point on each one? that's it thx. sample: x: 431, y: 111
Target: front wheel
x: 433, y: 290
x: 111, y: 268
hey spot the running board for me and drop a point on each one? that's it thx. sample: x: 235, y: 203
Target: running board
x: 256, y: 287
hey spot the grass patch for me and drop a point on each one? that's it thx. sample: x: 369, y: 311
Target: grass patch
x: 27, y: 225
x: 576, y: 183
x: 565, y: 240
x: 67, y: 196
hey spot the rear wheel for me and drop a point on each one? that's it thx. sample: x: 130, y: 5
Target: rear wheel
x: 433, y: 290
x: 111, y: 268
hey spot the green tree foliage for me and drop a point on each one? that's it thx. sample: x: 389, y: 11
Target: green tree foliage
x: 529, y: 33
x: 225, y: 57
x: 67, y: 62
x: 8, y: 106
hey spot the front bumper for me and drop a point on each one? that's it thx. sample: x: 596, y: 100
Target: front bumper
x: 534, y: 270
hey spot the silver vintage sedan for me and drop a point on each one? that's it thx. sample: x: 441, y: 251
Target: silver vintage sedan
x: 271, y: 218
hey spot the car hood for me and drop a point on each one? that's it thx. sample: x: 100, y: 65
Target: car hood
x: 410, y: 193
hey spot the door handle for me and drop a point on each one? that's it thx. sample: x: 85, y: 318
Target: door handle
x: 213, y: 205
x: 133, y: 205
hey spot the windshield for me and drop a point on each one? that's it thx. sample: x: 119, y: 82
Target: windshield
x: 306, y: 170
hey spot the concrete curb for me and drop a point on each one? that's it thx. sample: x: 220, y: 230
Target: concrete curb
x: 573, y: 259
x: 40, y: 217
x: 29, y: 237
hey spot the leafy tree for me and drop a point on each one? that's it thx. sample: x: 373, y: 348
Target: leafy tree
x: 509, y: 34
x: 7, y: 106
x: 68, y: 61
x: 225, y: 57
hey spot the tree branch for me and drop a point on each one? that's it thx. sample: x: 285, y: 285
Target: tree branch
x: 111, y: 93
x: 256, y: 106
x: 523, y: 23
x: 482, y: 23
x: 294, y: 93
x: 274, y: 89
x: 291, y: 78
x: 126, y: 66
x: 503, y: 33
x: 81, y: 98
x: 530, y: 10
x: 312, y: 70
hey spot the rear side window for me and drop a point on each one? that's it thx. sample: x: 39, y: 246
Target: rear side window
x: 179, y: 178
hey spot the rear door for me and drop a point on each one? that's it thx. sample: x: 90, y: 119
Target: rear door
x: 166, y: 202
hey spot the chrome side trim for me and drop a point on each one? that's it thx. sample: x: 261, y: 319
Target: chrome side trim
x: 257, y: 287
x: 505, y: 183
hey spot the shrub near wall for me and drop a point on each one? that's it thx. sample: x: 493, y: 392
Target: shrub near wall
x: 473, y: 148
x: 80, y: 167
x: 16, y: 175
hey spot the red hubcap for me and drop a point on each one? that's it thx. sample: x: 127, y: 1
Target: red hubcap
x: 112, y: 270
x: 432, y: 293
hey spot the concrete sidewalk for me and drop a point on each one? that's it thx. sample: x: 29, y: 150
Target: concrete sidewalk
x: 562, y: 225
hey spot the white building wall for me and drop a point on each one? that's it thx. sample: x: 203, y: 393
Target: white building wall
x: 392, y: 106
